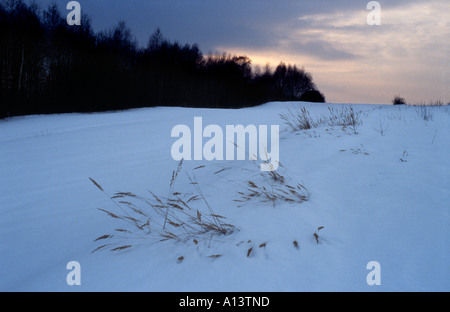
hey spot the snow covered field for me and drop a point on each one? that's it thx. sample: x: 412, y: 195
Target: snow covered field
x: 382, y: 195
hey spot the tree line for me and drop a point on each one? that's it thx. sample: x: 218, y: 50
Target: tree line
x: 47, y: 66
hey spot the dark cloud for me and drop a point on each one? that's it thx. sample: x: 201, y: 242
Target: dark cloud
x: 211, y: 23
x: 321, y: 50
x: 280, y: 28
x: 208, y: 22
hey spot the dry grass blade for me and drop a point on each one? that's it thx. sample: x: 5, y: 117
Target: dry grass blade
x: 175, y: 174
x: 173, y: 223
x: 112, y: 215
x: 136, y: 221
x: 122, y: 230
x: 184, y: 203
x: 169, y: 235
x: 103, y: 237
x: 96, y: 184
x: 217, y: 216
x: 157, y: 198
x: 176, y: 206
x: 123, y: 194
x: 220, y: 171
x: 121, y: 248
x: 252, y: 184
x: 123, y: 202
x: 146, y: 224
x: 100, y: 247
x: 138, y: 211
x: 249, y: 251
x: 316, y: 236
x: 195, y: 197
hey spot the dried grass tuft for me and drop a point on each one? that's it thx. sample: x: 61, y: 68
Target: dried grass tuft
x: 273, y: 188
x: 300, y: 119
x: 179, y: 217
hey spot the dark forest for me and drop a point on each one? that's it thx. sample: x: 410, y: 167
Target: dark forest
x: 47, y: 66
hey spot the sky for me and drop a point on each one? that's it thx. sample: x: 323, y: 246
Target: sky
x: 351, y: 61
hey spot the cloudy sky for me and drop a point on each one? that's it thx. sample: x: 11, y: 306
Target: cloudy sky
x: 351, y: 61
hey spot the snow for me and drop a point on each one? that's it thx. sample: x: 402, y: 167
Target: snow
x: 379, y: 196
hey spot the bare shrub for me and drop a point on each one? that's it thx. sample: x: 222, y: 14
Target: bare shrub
x: 397, y: 100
